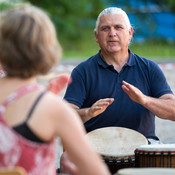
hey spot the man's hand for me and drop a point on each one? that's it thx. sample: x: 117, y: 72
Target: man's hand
x: 134, y: 93
x: 67, y: 166
x: 99, y: 106
x: 59, y: 83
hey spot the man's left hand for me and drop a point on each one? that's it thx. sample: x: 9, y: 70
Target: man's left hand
x: 134, y: 93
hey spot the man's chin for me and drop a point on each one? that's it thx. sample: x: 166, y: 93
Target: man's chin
x: 114, y: 49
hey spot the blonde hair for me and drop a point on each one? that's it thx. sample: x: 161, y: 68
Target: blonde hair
x: 28, y: 42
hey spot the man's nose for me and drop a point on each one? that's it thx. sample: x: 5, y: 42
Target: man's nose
x: 112, y: 32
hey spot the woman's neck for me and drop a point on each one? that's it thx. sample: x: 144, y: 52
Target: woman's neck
x: 14, y: 83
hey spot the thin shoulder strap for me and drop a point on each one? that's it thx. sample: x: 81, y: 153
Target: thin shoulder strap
x: 34, y: 105
x: 15, y: 95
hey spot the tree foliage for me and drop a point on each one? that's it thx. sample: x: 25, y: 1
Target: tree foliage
x: 71, y: 18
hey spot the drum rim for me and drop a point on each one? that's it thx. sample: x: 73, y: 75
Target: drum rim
x: 118, y: 156
x: 157, y: 148
x: 137, y: 171
x: 143, y: 152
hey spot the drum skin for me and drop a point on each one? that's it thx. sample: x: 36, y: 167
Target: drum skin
x: 158, y: 155
x: 116, y: 145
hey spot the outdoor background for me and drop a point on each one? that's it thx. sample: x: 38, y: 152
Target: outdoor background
x: 153, y: 22
x: 154, y: 37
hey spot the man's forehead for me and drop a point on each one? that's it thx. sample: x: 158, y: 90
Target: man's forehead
x: 112, y: 19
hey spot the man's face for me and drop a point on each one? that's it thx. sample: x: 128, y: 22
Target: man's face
x: 113, y: 35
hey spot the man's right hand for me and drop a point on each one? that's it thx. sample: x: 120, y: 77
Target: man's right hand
x: 99, y: 106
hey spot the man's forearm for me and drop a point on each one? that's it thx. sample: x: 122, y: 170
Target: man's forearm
x: 162, y: 107
x: 83, y: 113
x: 97, y: 108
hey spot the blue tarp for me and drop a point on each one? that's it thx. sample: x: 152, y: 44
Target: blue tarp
x: 149, y: 20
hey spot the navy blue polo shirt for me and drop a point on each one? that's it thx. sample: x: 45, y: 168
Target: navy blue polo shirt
x: 94, y: 79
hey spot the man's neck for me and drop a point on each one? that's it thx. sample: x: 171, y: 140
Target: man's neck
x: 118, y: 60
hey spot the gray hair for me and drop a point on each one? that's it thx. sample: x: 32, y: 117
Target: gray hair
x: 113, y: 10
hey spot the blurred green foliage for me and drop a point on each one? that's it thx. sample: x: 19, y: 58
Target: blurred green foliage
x: 5, y: 5
x: 166, y: 4
x: 75, y: 21
x: 71, y: 18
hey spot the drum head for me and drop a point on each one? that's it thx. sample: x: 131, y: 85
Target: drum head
x: 115, y: 142
x: 146, y: 171
x: 157, y: 147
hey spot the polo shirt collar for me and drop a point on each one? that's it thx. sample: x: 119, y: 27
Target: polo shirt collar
x: 102, y: 62
x: 131, y: 60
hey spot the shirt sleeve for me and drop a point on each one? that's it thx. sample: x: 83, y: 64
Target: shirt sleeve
x: 75, y: 92
x: 159, y: 83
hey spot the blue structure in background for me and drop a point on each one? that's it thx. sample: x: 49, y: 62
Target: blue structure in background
x: 148, y: 20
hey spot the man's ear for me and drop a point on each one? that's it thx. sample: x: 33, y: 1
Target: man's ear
x: 96, y: 36
x: 130, y: 33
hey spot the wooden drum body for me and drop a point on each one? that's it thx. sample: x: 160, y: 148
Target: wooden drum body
x: 116, y: 145
x: 158, y: 155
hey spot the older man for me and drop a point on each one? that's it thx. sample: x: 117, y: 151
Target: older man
x: 116, y: 87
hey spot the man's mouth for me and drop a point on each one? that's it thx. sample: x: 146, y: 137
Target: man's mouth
x: 112, y: 41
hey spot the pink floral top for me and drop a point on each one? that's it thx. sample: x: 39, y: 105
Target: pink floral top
x: 15, y: 150
x: 2, y: 74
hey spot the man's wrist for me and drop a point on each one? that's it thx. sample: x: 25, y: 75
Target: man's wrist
x: 88, y: 113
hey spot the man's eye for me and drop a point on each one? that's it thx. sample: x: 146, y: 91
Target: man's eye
x: 118, y: 27
x: 105, y: 28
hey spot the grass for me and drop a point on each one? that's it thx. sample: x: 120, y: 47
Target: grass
x: 162, y: 51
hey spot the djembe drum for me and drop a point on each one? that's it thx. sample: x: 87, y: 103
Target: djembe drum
x: 158, y: 155
x: 116, y: 145
x: 146, y: 171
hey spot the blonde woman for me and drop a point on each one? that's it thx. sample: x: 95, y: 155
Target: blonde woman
x: 30, y: 116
